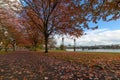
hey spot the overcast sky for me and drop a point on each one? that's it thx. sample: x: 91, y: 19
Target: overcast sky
x: 108, y: 33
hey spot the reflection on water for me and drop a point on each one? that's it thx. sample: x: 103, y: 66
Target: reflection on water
x: 95, y: 50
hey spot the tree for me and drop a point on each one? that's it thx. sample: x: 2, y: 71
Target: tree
x: 49, y: 15
x: 34, y: 37
x: 10, y: 35
x: 14, y: 36
x: 69, y: 17
x: 1, y: 33
x: 62, y: 47
x: 31, y: 31
x: 13, y: 29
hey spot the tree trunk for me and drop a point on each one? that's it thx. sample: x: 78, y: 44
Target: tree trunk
x: 6, y: 49
x: 35, y: 46
x: 46, y: 44
x: 13, y: 47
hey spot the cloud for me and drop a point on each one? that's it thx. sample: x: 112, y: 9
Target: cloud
x: 94, y: 37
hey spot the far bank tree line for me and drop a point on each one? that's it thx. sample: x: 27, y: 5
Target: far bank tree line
x: 39, y: 20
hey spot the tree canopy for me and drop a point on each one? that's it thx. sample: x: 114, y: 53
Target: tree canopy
x: 64, y: 17
x: 69, y: 17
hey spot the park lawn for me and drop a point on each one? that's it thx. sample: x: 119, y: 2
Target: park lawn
x: 88, y: 58
x: 30, y: 65
x: 3, y: 52
x: 94, y: 60
x: 42, y: 50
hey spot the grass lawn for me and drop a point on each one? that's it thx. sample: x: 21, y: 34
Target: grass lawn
x: 59, y: 65
x: 106, y: 61
x: 83, y: 57
x: 3, y: 52
x: 89, y: 58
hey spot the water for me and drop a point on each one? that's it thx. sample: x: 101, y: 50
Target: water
x: 95, y: 50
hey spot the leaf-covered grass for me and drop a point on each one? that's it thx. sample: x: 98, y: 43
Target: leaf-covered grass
x: 108, y: 62
x: 30, y: 65
x: 90, y: 58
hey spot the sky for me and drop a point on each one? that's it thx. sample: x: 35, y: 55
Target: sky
x: 108, y: 33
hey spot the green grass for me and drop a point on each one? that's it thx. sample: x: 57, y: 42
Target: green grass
x: 3, y: 52
x: 42, y: 50
x: 57, y: 51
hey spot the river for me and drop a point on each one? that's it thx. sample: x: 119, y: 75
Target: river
x: 95, y: 50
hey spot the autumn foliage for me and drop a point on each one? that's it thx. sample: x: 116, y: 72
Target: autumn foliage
x: 46, y: 18
x: 68, y: 17
x: 10, y: 28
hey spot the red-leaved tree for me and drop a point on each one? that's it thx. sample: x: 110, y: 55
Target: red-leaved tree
x: 68, y: 17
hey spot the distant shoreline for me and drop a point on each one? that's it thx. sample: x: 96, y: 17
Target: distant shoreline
x: 95, y: 50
